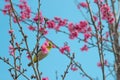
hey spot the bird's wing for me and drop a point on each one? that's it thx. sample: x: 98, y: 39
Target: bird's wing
x: 39, y: 56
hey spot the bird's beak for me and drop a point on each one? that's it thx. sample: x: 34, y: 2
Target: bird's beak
x: 53, y: 46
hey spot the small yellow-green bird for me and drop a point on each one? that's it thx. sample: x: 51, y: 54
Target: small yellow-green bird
x: 42, y: 53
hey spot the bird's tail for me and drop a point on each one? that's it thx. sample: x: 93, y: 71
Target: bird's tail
x: 30, y: 64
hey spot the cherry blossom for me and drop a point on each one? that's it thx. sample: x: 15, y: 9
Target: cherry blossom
x: 105, y: 63
x: 11, y: 50
x: 73, y: 67
x: 45, y: 78
x: 10, y: 31
x: 106, y: 13
x: 84, y: 48
x: 31, y: 28
x: 65, y: 48
x: 84, y: 4
x: 51, y: 24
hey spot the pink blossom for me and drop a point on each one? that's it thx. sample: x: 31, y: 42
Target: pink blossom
x: 87, y: 36
x: 107, y: 14
x: 59, y: 22
x: 94, y: 18
x: 56, y: 23
x: 7, y: 0
x: 84, y: 48
x: 18, y: 67
x: 24, y: 15
x: 57, y: 28
x: 31, y: 28
x: 67, y: 48
x: 45, y: 78
x: 23, y: 1
x: 11, y: 31
x: 64, y: 48
x: 25, y: 10
x: 73, y: 34
x: 44, y: 49
x: 89, y: 29
x: 62, y: 22
x: 57, y: 19
x: 98, y: 26
x: 11, y: 47
x: 96, y: 1
x: 111, y: 20
x: 99, y: 64
x: 4, y: 11
x: 83, y: 23
x: 75, y: 29
x: 84, y: 4
x: 40, y: 17
x: 46, y: 43
x: 7, y: 6
x: 105, y: 63
x: 43, y: 31
x: 107, y: 34
x: 51, y: 24
x: 53, y: 46
x: 16, y: 20
x: 28, y: 55
x: 18, y: 46
x: 7, y: 9
x: 78, y: 28
x: 104, y: 8
x: 70, y: 27
x: 21, y: 6
x: 73, y: 67
x: 11, y: 50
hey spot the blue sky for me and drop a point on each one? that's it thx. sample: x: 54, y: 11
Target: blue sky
x: 55, y: 61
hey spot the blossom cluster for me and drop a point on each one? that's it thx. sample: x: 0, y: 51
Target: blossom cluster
x: 81, y: 27
x: 74, y: 29
x: 65, y: 48
x: 41, y: 29
x: 7, y: 9
x: 38, y: 16
x: 25, y: 10
x: 56, y: 23
x: 107, y: 14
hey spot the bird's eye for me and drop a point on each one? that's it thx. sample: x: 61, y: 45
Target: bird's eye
x: 49, y: 44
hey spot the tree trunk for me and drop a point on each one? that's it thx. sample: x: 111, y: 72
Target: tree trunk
x: 118, y: 68
x: 118, y: 73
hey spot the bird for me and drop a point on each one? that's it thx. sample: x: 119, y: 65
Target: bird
x: 41, y: 54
